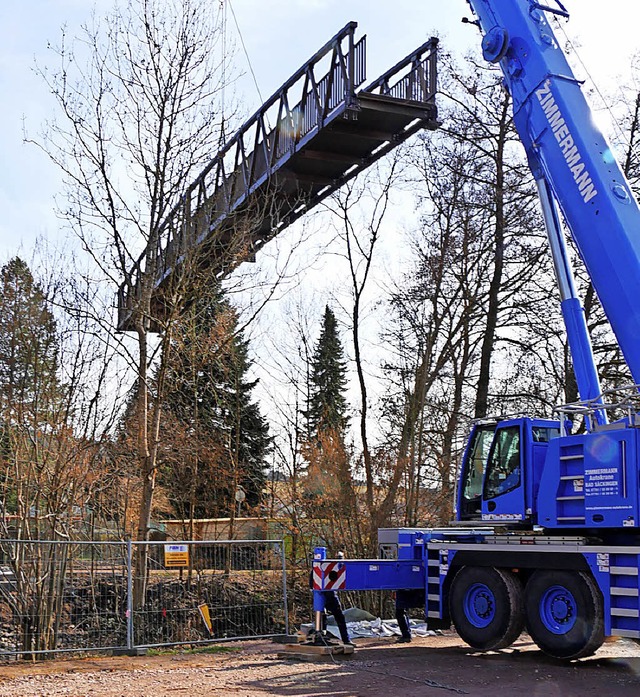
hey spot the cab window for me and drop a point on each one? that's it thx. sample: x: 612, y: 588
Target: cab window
x: 503, y: 468
x: 543, y: 434
x: 477, y: 460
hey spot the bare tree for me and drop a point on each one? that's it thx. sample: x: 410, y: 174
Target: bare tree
x: 137, y: 95
x: 462, y: 314
x: 479, y: 116
x: 360, y: 212
x: 54, y: 368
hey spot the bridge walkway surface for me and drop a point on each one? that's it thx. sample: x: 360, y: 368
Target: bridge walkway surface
x: 319, y: 130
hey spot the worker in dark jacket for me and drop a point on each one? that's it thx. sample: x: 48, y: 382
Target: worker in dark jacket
x: 406, y: 599
x: 332, y: 605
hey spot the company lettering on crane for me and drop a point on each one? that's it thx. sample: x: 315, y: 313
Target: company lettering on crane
x: 572, y: 156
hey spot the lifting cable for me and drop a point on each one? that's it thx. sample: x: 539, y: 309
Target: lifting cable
x: 574, y: 50
x: 223, y: 9
x: 246, y: 53
x: 223, y: 67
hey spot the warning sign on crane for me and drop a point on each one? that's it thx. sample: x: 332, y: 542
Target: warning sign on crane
x: 331, y: 575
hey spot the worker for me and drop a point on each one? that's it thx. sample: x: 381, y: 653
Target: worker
x: 406, y: 599
x: 332, y: 605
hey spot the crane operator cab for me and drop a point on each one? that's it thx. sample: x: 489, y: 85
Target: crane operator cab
x: 501, y: 469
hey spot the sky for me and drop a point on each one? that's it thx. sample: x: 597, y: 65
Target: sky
x: 279, y: 36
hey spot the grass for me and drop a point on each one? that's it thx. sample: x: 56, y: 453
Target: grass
x: 192, y: 651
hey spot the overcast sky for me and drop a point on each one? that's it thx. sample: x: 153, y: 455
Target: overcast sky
x: 279, y: 36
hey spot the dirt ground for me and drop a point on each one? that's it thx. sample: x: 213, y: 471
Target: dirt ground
x: 428, y: 666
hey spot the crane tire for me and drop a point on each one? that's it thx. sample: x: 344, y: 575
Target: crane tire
x: 486, y: 607
x: 565, y: 615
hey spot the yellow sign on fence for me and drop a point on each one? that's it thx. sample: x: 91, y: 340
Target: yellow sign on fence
x: 206, y: 616
x: 176, y: 555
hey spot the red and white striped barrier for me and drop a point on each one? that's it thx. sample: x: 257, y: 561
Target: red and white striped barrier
x: 329, y: 576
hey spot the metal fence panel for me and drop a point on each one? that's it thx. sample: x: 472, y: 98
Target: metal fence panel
x: 79, y: 596
x: 62, y: 596
x: 241, y: 583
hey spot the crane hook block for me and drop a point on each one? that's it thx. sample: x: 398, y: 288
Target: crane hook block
x: 495, y: 44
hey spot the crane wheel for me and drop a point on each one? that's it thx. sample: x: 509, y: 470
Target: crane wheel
x: 565, y: 615
x: 486, y: 607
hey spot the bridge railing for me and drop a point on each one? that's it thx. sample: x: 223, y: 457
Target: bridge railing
x: 418, y: 84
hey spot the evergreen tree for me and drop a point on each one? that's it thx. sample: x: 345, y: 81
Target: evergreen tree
x: 215, y: 438
x: 29, y: 348
x: 328, y: 487
x: 32, y: 414
x: 327, y: 402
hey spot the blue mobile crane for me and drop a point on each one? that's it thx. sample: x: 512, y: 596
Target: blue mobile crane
x: 547, y: 526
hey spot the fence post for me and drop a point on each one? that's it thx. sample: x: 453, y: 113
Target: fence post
x: 284, y: 588
x: 129, y: 596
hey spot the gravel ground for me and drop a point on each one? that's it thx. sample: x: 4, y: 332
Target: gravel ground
x: 428, y: 666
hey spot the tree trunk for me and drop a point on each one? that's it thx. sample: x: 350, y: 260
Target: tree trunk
x: 482, y: 392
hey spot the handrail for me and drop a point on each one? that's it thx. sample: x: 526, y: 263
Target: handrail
x: 626, y: 397
x: 630, y: 393
x: 413, y: 59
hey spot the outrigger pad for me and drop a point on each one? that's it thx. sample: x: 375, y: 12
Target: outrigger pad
x: 318, y: 644
x: 308, y: 650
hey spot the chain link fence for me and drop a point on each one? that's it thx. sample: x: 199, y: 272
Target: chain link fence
x: 84, y: 596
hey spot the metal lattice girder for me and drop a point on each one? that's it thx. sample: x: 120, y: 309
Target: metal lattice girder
x: 326, y: 130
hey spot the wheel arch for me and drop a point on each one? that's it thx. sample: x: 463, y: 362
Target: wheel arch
x: 518, y: 560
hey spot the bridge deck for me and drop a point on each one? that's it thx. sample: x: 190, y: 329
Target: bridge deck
x: 267, y: 176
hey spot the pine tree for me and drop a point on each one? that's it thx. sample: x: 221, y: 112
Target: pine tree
x: 328, y: 488
x: 32, y: 414
x: 215, y: 438
x: 29, y: 348
x: 327, y: 402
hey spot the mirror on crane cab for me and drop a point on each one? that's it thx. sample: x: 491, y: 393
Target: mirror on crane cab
x: 501, y: 469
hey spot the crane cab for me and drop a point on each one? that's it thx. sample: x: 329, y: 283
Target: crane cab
x: 501, y: 469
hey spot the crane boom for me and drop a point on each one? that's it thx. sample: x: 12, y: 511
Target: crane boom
x: 575, y: 167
